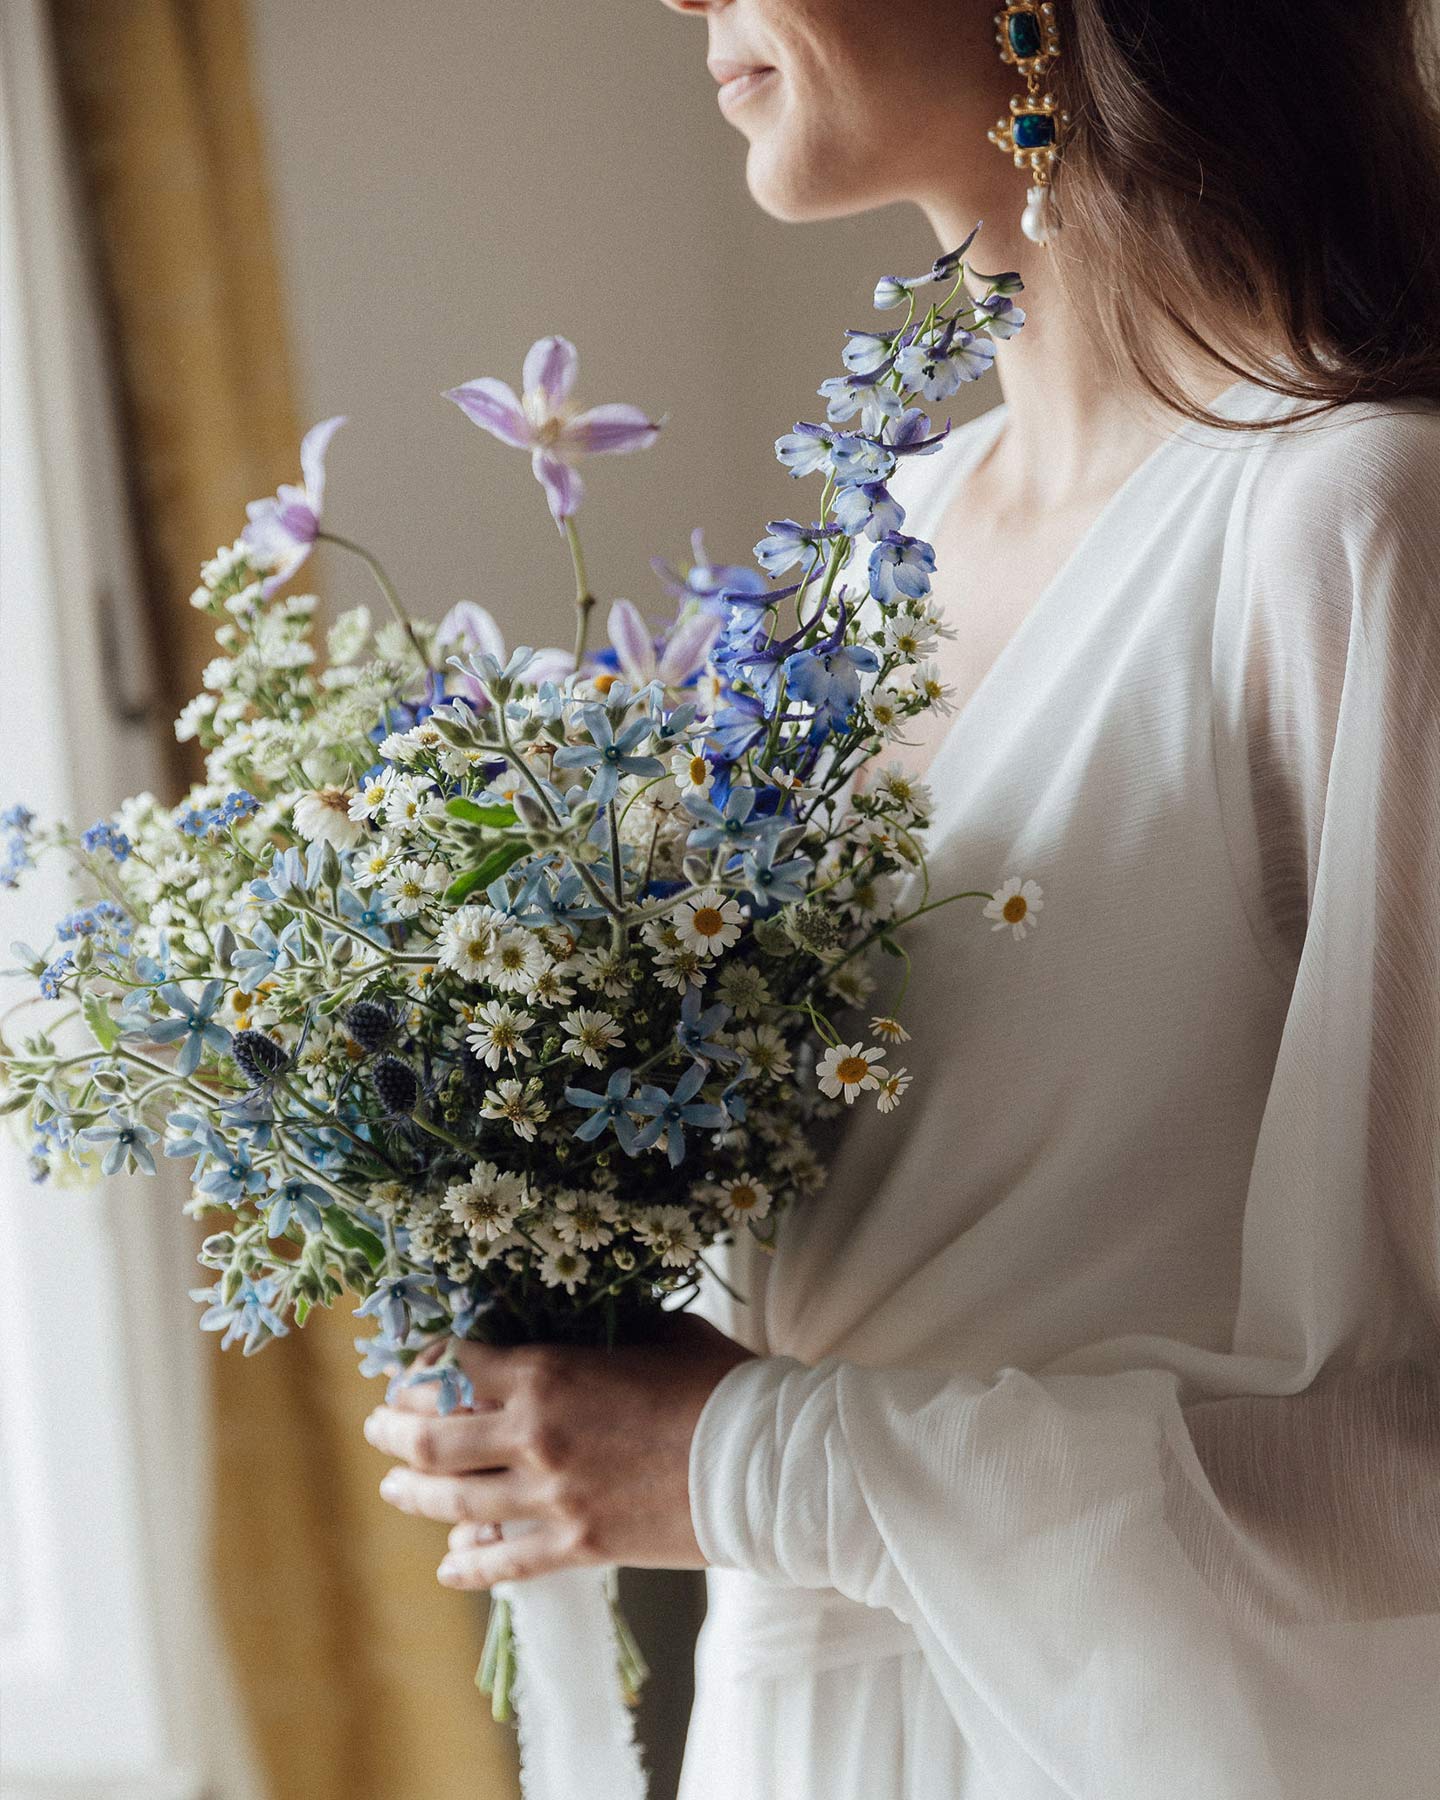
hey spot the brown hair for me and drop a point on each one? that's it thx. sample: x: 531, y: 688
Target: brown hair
x: 1265, y: 179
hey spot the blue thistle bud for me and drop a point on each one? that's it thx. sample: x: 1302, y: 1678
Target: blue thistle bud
x: 370, y: 1023
x: 396, y: 1085
x: 258, y: 1057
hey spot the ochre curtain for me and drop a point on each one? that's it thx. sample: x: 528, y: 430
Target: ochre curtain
x: 355, y: 1667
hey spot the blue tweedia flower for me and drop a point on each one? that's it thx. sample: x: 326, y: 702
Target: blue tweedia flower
x: 191, y: 1134
x: 105, y: 835
x: 614, y: 1107
x: 294, y: 1198
x: 773, y: 884
x: 735, y: 828
x: 291, y: 872
x: 672, y: 1112
x: 193, y: 1027
x: 233, y: 1177
x: 16, y: 818
x: 54, y: 974
x: 378, y: 1356
x: 456, y: 1387
x: 868, y: 507
x: 370, y: 914
x: 900, y: 565
x: 827, y: 678
x: 398, y: 1301
x: 251, y: 1315
x: 267, y: 954
x: 127, y: 1144
x: 693, y: 1033
x: 610, y: 756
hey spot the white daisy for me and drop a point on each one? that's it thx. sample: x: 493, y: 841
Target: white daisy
x: 765, y: 1050
x: 849, y: 1069
x: 891, y: 1088
x: 884, y: 1026
x: 709, y: 922
x: 410, y: 801
x: 585, y: 1218
x: 1015, y: 905
x: 564, y: 1267
x: 670, y: 1232
x: 549, y: 987
x: 323, y: 817
x: 516, y: 958
x: 680, y: 969
x: 590, y: 1035
x: 368, y: 800
x: 932, y: 691
x: 409, y: 884
x: 898, y: 787
x: 691, y: 772
x: 744, y: 1198
x: 372, y: 864
x: 519, y: 1104
x: 909, y: 638
x: 603, y: 972
x: 467, y: 939
x: 499, y: 1031
x: 487, y: 1203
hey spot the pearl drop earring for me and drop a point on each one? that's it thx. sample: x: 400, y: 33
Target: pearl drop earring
x: 1029, y: 40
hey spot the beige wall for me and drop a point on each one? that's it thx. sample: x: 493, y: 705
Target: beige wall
x: 457, y: 177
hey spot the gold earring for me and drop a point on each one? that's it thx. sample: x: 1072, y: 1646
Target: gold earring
x: 1029, y: 39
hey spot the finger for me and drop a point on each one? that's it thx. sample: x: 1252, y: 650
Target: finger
x: 468, y: 1536
x: 491, y: 1373
x: 507, y: 1493
x: 538, y: 1552
x: 457, y: 1445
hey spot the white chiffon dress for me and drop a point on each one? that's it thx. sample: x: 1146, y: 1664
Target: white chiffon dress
x: 1093, y: 1449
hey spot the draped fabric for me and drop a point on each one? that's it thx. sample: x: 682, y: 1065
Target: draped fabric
x: 355, y: 1668
x: 1095, y: 1447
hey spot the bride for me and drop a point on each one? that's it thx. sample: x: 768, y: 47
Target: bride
x: 1084, y: 1438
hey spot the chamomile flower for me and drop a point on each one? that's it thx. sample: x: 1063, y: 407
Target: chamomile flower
x: 515, y: 959
x: 680, y: 968
x: 891, y: 1088
x: 373, y: 863
x: 519, y: 1104
x: 691, y: 773
x: 1015, y: 905
x: 409, y: 802
x: 846, y: 1070
x: 887, y: 711
x: 487, y: 1203
x: 897, y: 788
x: 765, y: 1050
x: 709, y: 922
x: 893, y: 1032
x: 498, y: 1032
x: 408, y: 885
x: 368, y: 800
x: 550, y: 988
x: 669, y: 1232
x: 590, y: 1035
x: 585, y: 1218
x: 852, y: 984
x: 932, y: 691
x: 323, y: 817
x: 744, y: 1198
x: 564, y: 1267
x: 909, y: 638
x: 603, y: 972
x: 467, y: 939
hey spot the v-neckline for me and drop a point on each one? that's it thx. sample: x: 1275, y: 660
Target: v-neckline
x: 1065, y: 573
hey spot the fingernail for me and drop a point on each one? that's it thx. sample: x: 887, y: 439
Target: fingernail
x: 449, y: 1572
x: 389, y: 1485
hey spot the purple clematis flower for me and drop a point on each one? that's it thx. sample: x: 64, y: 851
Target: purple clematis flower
x: 672, y: 660
x: 282, y: 530
x: 546, y: 422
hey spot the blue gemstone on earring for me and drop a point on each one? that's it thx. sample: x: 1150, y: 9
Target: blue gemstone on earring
x: 1023, y: 30
x: 1033, y: 130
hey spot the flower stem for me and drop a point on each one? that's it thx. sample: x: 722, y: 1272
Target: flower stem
x: 387, y: 588
x: 584, y: 599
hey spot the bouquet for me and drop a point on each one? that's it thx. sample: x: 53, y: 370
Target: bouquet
x: 496, y: 990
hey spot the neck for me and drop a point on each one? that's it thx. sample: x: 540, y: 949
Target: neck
x: 1073, y: 416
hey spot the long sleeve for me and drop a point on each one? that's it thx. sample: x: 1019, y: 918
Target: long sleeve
x: 1131, y: 1584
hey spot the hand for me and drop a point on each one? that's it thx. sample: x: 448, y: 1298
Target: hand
x: 592, y: 1445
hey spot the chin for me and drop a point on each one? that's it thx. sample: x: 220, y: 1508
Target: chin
x: 795, y: 181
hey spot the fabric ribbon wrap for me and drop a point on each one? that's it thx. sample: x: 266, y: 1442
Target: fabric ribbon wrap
x: 577, y: 1738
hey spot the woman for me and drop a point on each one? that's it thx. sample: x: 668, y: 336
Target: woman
x: 1084, y: 1440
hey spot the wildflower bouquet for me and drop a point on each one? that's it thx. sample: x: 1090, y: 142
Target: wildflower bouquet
x: 495, y: 990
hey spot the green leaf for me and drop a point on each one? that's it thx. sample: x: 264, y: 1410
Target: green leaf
x: 355, y: 1237
x: 12, y: 1102
x: 496, y: 816
x: 494, y: 865
x: 302, y: 1311
x: 102, y: 1027
x: 890, y: 947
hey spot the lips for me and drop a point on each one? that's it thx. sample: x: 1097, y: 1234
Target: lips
x: 738, y: 79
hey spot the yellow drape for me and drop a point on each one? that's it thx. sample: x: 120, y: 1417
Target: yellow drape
x: 355, y: 1668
